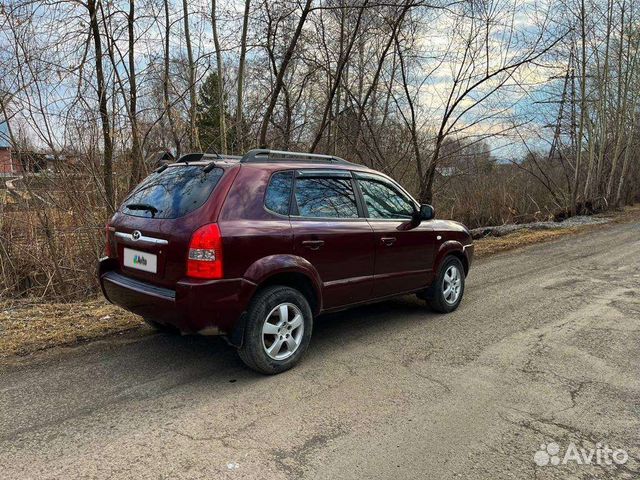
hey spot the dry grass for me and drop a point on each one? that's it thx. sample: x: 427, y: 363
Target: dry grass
x: 29, y: 327
x: 522, y: 238
x: 491, y: 245
x: 629, y: 214
x: 51, y: 235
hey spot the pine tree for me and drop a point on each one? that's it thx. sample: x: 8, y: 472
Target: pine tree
x: 208, y: 121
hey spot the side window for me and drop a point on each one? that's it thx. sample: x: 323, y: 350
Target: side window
x: 278, y: 196
x: 382, y: 201
x: 325, y: 197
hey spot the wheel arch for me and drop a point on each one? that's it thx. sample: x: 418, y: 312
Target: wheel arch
x: 298, y: 281
x: 459, y: 254
x: 453, y: 248
x: 287, y: 270
x: 293, y: 271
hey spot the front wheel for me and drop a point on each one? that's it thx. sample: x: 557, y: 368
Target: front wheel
x: 278, y: 330
x: 448, y: 287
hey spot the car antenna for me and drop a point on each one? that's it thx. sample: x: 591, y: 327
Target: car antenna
x: 211, y: 165
x: 209, y: 147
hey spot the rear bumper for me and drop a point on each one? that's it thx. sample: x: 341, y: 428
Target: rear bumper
x: 194, y: 306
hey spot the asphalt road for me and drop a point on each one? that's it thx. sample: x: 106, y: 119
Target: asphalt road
x: 543, y: 349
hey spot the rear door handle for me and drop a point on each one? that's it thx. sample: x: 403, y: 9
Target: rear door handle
x: 388, y: 241
x: 313, y: 244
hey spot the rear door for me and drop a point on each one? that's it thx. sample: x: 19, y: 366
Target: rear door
x: 153, y: 227
x: 330, y: 231
x: 403, y: 251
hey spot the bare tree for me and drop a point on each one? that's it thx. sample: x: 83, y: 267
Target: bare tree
x: 466, y: 81
x: 239, y: 127
x: 262, y: 139
x: 166, y: 81
x: 191, y: 66
x: 136, y: 150
x: 102, y: 100
x: 337, y: 77
x: 220, y: 68
x: 583, y: 105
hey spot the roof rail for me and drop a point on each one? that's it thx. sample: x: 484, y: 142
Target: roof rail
x: 190, y: 157
x: 267, y: 155
x: 197, y: 156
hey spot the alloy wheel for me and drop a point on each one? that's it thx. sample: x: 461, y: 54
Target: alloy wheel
x: 282, y: 331
x: 452, y: 285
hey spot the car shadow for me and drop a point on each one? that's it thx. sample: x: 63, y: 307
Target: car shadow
x: 213, y: 357
x: 369, y: 317
x: 158, y: 373
x: 148, y: 366
x: 144, y: 366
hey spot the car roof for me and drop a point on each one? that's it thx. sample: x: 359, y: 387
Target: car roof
x: 230, y: 161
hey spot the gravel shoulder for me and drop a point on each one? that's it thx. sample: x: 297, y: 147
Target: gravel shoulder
x: 544, y: 348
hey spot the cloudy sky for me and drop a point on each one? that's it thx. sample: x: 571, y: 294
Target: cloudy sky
x: 439, y: 55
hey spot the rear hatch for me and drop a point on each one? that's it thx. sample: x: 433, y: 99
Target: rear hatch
x: 152, y: 229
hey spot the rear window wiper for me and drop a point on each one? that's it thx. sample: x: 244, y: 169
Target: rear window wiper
x: 209, y: 166
x: 143, y: 206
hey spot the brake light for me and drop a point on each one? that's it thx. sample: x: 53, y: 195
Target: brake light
x: 108, y: 247
x: 205, y: 253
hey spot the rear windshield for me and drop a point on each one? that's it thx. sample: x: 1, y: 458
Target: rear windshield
x: 176, y: 191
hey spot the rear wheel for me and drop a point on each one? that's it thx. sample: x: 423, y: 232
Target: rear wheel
x: 449, y: 286
x: 278, y: 330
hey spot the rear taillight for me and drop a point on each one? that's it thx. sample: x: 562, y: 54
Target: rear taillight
x: 205, y: 253
x: 109, y: 250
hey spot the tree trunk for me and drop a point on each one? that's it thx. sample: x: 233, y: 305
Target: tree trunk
x: 136, y: 150
x: 426, y: 185
x: 631, y: 138
x: 193, y: 135
x: 165, y: 80
x: 621, y: 110
x: 262, y: 140
x: 623, y: 174
x: 583, y: 108
x: 342, y: 61
x: 216, y: 42
x: 243, y: 52
x: 413, y: 125
x: 594, y: 171
x: 102, y: 106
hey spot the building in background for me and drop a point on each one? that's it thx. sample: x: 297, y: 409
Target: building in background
x: 8, y: 165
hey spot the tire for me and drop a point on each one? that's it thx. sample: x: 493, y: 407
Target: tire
x: 161, y: 327
x: 273, y: 344
x: 442, y: 299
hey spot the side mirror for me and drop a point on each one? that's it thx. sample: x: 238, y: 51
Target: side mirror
x: 426, y: 212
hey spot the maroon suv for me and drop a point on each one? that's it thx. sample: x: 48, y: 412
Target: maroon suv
x: 254, y: 248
